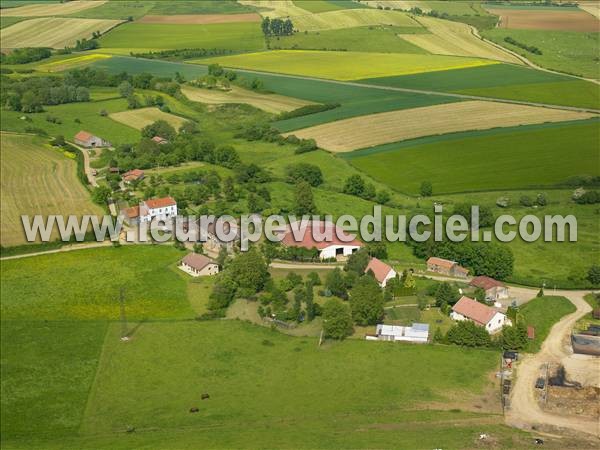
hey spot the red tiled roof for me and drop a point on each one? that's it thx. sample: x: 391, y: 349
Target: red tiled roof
x: 83, y: 136
x: 160, y: 202
x: 197, y: 261
x: 133, y: 175
x: 308, y: 240
x: 441, y: 262
x: 379, y: 269
x: 485, y: 283
x: 159, y: 139
x: 472, y: 309
x: 132, y: 212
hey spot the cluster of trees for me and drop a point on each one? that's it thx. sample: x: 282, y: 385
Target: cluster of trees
x: 468, y: 334
x: 307, y: 109
x: 593, y: 275
x: 88, y: 44
x: 265, y: 132
x: 277, y: 27
x: 307, y: 172
x: 482, y: 258
x: 356, y: 185
x: 25, y: 55
x: 182, y: 53
x: 588, y: 198
x: 29, y: 95
x: 529, y: 48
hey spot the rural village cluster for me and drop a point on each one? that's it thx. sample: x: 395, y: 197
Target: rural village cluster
x: 307, y: 224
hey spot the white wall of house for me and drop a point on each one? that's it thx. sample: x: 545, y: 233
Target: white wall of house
x: 165, y: 213
x: 497, y: 293
x: 331, y: 251
x: 210, y: 269
x: 391, y: 274
x: 495, y: 324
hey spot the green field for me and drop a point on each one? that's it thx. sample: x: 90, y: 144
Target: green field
x: 316, y: 6
x: 565, y: 51
x: 521, y: 157
x: 542, y: 313
x: 68, y: 380
x: 133, y: 66
x: 88, y: 115
x: 117, y: 10
x: 344, y: 65
x: 8, y: 21
x: 228, y: 36
x: 362, y: 39
x: 502, y: 81
x: 198, y: 7
x: 55, y: 295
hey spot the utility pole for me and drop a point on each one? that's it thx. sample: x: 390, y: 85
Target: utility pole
x: 124, y: 336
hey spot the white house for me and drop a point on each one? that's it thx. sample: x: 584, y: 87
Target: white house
x: 489, y: 318
x: 329, y: 240
x: 162, y: 208
x: 494, y: 289
x: 417, y: 333
x: 381, y: 271
x: 198, y: 265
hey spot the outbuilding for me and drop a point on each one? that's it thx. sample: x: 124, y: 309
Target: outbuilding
x: 494, y: 289
x: 381, y: 271
x: 417, y: 333
x: 88, y: 140
x: 446, y: 267
x: 331, y: 241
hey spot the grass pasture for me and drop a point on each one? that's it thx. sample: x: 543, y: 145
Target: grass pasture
x: 139, y: 118
x: 394, y: 126
x: 564, y: 51
x: 75, y: 117
x: 272, y: 103
x: 8, y: 21
x: 42, y: 9
x: 542, y: 313
x: 52, y: 32
x: 243, y: 36
x: 361, y: 39
x: 37, y: 179
x: 520, y: 157
x: 122, y: 9
x: 343, y: 65
x: 198, y: 7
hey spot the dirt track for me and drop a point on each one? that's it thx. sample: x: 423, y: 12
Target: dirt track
x: 524, y: 411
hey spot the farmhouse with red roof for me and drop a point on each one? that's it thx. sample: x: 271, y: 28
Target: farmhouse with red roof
x: 88, y: 140
x: 329, y: 240
x: 484, y: 316
x: 133, y: 175
x: 446, y: 267
x: 381, y: 271
x: 494, y: 289
x: 162, y: 208
x: 198, y: 265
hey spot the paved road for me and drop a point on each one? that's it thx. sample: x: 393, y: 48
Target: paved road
x: 524, y: 411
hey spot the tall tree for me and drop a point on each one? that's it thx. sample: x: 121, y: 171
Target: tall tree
x: 303, y: 199
x: 337, y: 319
x: 366, y: 301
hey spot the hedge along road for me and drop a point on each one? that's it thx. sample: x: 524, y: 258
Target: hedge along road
x: 416, y: 91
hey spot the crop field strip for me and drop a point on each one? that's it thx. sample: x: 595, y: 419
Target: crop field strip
x: 71, y: 62
x: 139, y: 118
x: 37, y: 180
x: 524, y: 157
x: 272, y: 103
x: 343, y: 66
x: 552, y: 19
x: 52, y: 32
x: 50, y: 9
x: 199, y: 19
x: 457, y: 39
x: 394, y: 126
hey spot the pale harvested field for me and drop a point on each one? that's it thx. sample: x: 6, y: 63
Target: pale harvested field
x: 591, y: 7
x: 198, y: 19
x: 276, y: 8
x: 52, y: 32
x: 267, y: 102
x: 139, y: 118
x: 522, y: 19
x: 350, y: 18
x: 457, y: 39
x: 50, y: 9
x: 36, y: 180
x: 376, y: 129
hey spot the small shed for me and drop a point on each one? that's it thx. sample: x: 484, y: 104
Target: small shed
x: 530, y: 332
